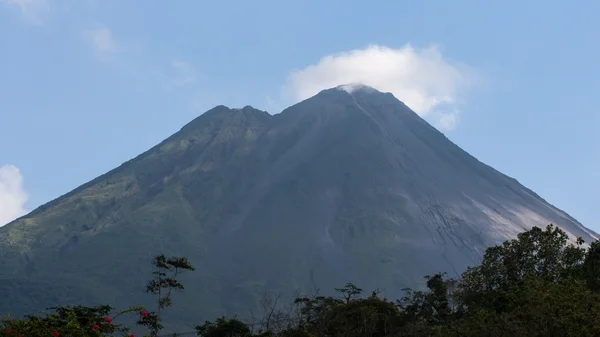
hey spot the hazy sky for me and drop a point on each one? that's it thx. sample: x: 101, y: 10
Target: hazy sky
x: 86, y: 85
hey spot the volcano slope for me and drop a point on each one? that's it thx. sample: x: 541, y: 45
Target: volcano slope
x: 347, y: 186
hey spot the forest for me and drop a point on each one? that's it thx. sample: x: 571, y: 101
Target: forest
x: 538, y: 284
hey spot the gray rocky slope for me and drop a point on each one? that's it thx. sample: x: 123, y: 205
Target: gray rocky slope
x: 349, y: 185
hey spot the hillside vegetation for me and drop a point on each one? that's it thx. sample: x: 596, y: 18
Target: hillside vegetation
x: 339, y: 187
x: 538, y: 284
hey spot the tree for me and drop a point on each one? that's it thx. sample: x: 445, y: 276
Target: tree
x: 224, y: 328
x: 535, y: 285
x: 76, y: 321
x: 164, y: 282
x: 591, y: 267
x: 81, y: 321
x: 535, y: 254
x: 162, y: 285
x: 433, y: 305
x: 349, y: 292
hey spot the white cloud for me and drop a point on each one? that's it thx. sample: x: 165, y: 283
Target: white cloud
x: 12, y: 195
x: 102, y: 40
x: 423, y: 79
x: 183, y: 73
x: 32, y: 10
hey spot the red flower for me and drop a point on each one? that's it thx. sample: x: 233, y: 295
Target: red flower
x: 8, y: 332
x: 95, y: 327
x: 107, y: 319
x: 132, y: 335
x: 55, y: 333
x: 144, y: 313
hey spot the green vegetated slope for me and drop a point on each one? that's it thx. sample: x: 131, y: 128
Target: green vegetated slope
x: 342, y: 187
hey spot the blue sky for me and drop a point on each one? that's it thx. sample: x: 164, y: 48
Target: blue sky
x: 86, y: 85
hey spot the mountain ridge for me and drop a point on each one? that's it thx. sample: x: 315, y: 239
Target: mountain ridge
x: 339, y: 187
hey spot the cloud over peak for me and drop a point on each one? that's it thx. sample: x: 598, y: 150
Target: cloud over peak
x: 12, y: 194
x: 422, y: 78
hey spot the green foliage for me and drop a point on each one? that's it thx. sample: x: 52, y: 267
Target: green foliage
x: 535, y: 285
x: 432, y: 306
x: 349, y: 292
x: 591, y: 267
x: 537, y: 254
x: 163, y: 284
x: 223, y: 327
x: 70, y: 321
x: 80, y: 321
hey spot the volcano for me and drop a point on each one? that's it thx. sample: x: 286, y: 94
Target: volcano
x: 349, y: 185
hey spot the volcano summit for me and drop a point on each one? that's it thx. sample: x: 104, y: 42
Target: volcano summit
x: 349, y: 185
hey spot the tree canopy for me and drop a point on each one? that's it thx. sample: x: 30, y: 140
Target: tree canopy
x: 538, y: 284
